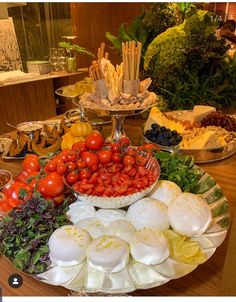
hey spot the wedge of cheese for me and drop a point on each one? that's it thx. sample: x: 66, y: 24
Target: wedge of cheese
x: 200, y: 111
x: 207, y: 140
x: 156, y: 116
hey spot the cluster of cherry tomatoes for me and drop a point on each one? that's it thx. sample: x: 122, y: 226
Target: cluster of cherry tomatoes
x: 109, y: 169
x: 93, y: 167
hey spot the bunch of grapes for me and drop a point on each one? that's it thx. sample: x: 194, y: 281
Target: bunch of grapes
x: 219, y: 119
x: 163, y: 136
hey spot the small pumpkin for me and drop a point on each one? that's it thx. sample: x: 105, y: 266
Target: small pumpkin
x: 81, y: 129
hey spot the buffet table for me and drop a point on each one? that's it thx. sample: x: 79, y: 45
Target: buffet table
x: 207, y: 280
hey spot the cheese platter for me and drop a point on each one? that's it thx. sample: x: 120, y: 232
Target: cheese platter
x: 203, y: 132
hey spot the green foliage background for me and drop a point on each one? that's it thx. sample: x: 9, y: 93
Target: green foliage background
x: 187, y: 63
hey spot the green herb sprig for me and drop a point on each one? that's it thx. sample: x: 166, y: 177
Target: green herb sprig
x: 179, y: 169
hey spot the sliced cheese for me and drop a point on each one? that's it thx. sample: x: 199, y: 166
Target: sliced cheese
x: 200, y: 111
x: 156, y: 116
x: 207, y: 140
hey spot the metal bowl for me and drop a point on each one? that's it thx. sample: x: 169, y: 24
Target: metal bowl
x: 121, y: 201
x: 29, y: 127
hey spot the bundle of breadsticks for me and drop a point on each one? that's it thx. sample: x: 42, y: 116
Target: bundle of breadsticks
x: 111, y: 81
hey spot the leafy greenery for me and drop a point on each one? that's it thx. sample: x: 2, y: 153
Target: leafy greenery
x: 179, y: 169
x: 145, y: 27
x: 74, y: 47
x: 189, y: 64
x: 24, y: 233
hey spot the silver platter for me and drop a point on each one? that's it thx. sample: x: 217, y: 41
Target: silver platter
x: 83, y: 278
x: 201, y: 156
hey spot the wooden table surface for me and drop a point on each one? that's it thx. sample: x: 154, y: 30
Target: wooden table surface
x: 204, y: 281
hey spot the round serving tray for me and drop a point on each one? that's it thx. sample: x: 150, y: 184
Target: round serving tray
x: 115, y: 112
x: 137, y: 275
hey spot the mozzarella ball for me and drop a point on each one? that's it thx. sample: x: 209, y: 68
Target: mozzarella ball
x: 108, y: 254
x: 149, y: 246
x: 93, y: 226
x: 68, y: 245
x: 107, y: 216
x: 80, y: 210
x: 122, y: 229
x: 148, y: 213
x: 189, y: 215
x: 165, y: 191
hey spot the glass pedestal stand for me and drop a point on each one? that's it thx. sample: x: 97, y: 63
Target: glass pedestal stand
x: 117, y: 116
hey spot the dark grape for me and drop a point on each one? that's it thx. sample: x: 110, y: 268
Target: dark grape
x: 163, y: 136
x: 219, y: 119
x: 155, y: 126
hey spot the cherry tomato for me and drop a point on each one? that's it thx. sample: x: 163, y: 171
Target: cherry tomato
x: 31, y: 180
x: 94, y: 168
x: 117, y: 157
x: 94, y: 141
x: 62, y: 168
x: 81, y: 164
x: 79, y: 147
x: 85, y: 174
x: 21, y: 176
x: 142, y: 171
x: 115, y: 147
x: 63, y: 154
x: 150, y: 148
x: 31, y: 163
x: 93, y: 179
x: 124, y: 141
x: 105, y: 156
x: 131, y: 151
x: 127, y: 169
x: 99, y: 189
x: 58, y: 160
x: 128, y: 160
x: 50, y: 166
x: 114, y: 168
x: 120, y: 190
x: 71, y: 165
x: 109, y: 191
x: 90, y: 158
x: 51, y: 185
x: 70, y: 157
x: 141, y: 159
x: 72, y: 177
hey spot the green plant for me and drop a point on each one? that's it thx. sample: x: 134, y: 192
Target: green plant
x: 73, y: 47
x: 189, y: 66
x: 145, y: 27
x: 136, y: 31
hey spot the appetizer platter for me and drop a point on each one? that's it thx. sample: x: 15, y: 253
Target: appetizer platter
x: 54, y: 229
x: 205, y: 133
x: 118, y: 91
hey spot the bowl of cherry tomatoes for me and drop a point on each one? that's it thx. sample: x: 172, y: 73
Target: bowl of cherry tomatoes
x: 110, y: 174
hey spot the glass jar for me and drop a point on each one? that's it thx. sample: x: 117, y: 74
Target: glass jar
x: 72, y: 62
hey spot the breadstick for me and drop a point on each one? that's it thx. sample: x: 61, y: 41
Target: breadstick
x: 139, y: 57
x: 102, y: 47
